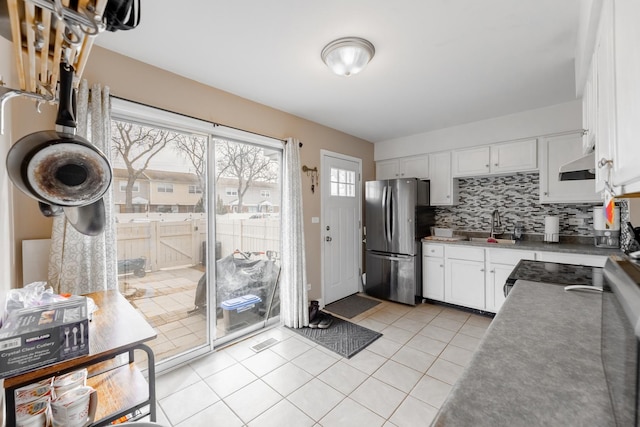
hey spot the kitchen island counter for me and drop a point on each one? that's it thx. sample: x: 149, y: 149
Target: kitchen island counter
x: 539, y: 363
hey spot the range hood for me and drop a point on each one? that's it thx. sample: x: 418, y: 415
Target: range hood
x: 581, y: 168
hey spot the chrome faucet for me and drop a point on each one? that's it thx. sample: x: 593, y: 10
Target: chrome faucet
x: 496, y: 224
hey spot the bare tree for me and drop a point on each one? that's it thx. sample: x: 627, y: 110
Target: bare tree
x: 194, y: 149
x: 245, y: 162
x: 136, y: 145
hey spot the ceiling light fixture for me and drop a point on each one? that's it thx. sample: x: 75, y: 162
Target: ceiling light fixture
x: 348, y: 56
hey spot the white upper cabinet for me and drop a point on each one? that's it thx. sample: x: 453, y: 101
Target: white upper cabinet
x: 507, y: 157
x: 617, y: 70
x: 590, y: 109
x: 471, y: 161
x: 443, y: 188
x: 554, y: 152
x: 519, y: 156
x: 387, y: 169
x: 405, y: 167
x: 605, y: 118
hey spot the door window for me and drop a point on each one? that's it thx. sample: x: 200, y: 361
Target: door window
x: 343, y: 183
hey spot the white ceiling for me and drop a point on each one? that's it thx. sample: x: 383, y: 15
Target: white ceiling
x: 438, y: 63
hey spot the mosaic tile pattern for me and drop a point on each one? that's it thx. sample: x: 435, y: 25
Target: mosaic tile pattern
x: 628, y: 242
x: 517, y: 199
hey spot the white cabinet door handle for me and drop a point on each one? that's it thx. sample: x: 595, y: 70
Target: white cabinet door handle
x: 604, y: 162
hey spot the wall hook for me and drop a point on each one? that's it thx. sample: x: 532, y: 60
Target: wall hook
x: 313, y: 173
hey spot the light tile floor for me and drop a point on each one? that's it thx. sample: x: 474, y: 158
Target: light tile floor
x: 399, y: 380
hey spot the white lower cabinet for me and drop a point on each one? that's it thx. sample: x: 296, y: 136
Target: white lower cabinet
x: 432, y: 277
x: 569, y: 258
x: 464, y: 276
x: 474, y: 277
x: 500, y: 264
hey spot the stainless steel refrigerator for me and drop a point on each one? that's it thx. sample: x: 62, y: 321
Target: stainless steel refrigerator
x: 398, y: 216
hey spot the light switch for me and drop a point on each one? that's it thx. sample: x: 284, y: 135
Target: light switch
x: 315, y: 220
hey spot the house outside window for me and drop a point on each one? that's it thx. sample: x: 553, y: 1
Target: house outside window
x: 265, y: 193
x: 165, y: 187
x: 195, y: 189
x: 231, y: 192
x: 134, y: 189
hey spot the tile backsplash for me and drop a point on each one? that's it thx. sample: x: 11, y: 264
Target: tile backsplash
x: 516, y: 197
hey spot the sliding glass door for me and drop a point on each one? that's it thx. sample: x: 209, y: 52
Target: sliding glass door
x: 198, y: 228
x: 160, y: 205
x: 247, y: 191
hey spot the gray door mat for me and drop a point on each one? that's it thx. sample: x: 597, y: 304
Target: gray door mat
x: 351, y: 306
x: 342, y: 337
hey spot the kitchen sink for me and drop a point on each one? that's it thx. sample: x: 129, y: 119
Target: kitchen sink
x: 498, y: 241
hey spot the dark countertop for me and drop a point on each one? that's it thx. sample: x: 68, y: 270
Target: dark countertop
x: 539, y: 363
x: 551, y: 272
x: 532, y: 245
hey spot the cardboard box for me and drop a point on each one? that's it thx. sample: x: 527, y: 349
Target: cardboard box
x: 35, y: 337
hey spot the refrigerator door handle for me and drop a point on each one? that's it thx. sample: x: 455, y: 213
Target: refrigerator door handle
x: 384, y: 212
x: 391, y: 233
x: 390, y: 257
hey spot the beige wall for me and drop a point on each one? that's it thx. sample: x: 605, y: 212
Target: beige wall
x: 28, y: 222
x: 133, y: 80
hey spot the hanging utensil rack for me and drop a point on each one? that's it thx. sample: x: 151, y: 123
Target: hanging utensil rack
x: 45, y: 33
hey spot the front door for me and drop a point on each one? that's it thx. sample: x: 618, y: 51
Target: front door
x: 341, y: 232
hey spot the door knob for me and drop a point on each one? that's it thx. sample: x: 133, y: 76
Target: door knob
x: 328, y: 238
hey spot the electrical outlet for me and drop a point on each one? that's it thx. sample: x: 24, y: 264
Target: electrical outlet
x: 308, y: 286
x: 576, y: 221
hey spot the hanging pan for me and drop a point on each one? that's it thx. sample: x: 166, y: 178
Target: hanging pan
x: 62, y: 171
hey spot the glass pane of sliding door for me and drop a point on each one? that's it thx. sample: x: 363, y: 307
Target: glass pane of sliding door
x: 247, y: 236
x: 160, y: 205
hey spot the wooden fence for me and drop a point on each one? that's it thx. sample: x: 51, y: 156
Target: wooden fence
x: 166, y: 244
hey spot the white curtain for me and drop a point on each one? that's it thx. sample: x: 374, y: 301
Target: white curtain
x: 294, y: 311
x: 79, y: 264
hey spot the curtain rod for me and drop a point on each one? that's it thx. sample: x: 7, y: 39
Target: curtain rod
x: 197, y: 118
